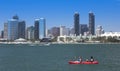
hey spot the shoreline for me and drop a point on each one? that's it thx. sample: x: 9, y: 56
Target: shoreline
x: 54, y: 43
x: 83, y: 43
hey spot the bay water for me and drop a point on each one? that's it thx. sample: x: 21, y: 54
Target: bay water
x: 55, y: 57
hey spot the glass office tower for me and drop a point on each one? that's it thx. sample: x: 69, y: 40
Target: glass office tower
x: 42, y: 28
x: 76, y: 24
x: 91, y: 23
x: 21, y: 29
x: 12, y: 29
x: 36, y: 29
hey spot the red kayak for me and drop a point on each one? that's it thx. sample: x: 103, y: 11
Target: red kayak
x: 83, y: 62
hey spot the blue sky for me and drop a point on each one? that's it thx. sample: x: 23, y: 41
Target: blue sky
x: 60, y: 12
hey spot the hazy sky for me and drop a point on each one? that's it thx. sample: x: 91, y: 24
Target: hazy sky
x: 60, y: 12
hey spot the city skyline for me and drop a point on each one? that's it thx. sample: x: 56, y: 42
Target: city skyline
x: 60, y: 12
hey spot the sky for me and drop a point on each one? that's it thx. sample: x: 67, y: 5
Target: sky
x: 60, y: 12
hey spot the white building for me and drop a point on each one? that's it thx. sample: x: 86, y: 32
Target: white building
x: 64, y: 31
x: 99, y: 30
x: 111, y: 34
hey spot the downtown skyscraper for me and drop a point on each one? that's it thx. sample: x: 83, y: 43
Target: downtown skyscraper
x: 21, y: 29
x: 91, y: 23
x: 12, y: 32
x: 40, y: 28
x: 36, y: 29
x: 76, y: 24
x: 14, y: 29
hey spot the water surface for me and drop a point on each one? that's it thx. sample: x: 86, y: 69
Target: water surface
x: 55, y: 57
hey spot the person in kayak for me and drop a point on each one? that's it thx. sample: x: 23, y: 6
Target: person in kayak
x: 91, y: 59
x: 80, y: 59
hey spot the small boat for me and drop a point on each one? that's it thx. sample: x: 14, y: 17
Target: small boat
x: 83, y: 62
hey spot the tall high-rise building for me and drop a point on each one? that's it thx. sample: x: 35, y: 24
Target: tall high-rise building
x: 76, y: 24
x: 42, y: 28
x: 91, y: 23
x: 21, y: 29
x: 36, y: 29
x: 12, y: 31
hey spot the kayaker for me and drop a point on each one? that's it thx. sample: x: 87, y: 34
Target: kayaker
x: 92, y: 59
x: 80, y: 59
